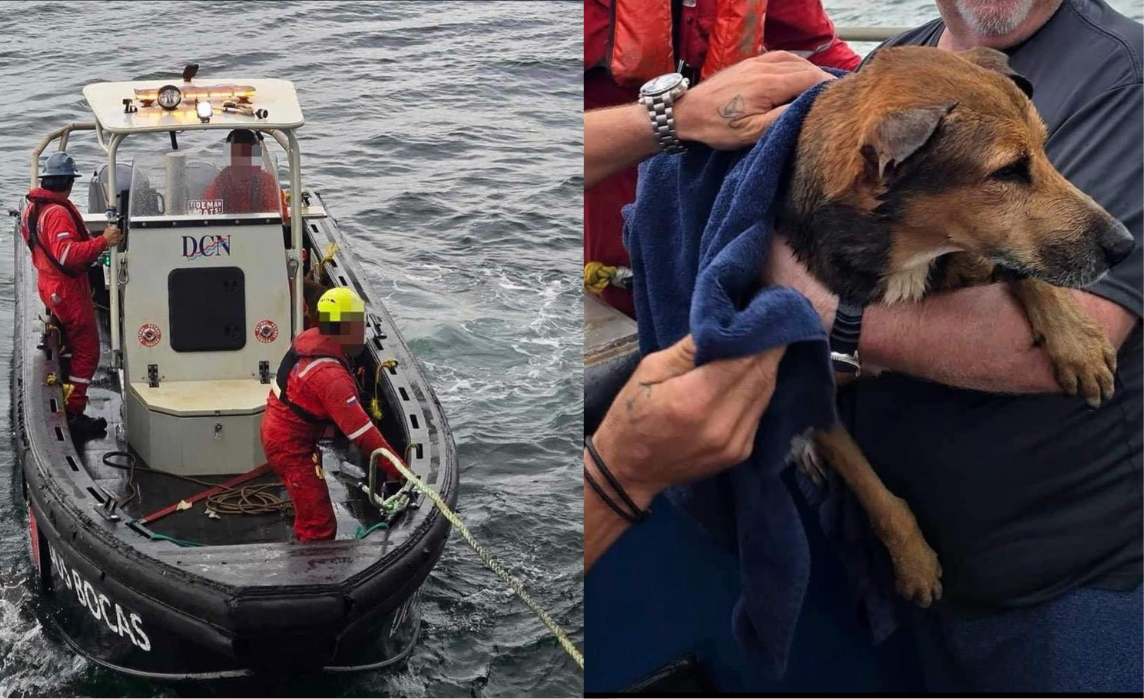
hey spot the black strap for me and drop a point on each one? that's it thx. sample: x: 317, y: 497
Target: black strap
x: 282, y: 379
x: 844, y: 337
x: 34, y: 240
x: 635, y: 514
x: 604, y: 496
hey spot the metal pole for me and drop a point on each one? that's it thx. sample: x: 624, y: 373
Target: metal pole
x: 113, y: 197
x: 296, y: 230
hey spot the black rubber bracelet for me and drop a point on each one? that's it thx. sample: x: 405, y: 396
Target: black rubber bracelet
x: 604, y: 496
x: 636, y: 512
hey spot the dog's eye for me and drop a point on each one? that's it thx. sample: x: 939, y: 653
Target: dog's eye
x: 1017, y: 171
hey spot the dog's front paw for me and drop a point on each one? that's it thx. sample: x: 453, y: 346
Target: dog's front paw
x: 1084, y: 360
x: 916, y: 567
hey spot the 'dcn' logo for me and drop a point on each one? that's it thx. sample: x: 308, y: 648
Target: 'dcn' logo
x: 205, y: 246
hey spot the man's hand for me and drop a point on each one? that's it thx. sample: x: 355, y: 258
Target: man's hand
x: 782, y: 268
x: 732, y: 108
x: 674, y: 423
x: 112, y: 235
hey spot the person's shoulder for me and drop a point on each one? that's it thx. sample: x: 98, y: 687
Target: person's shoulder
x: 914, y: 37
x: 56, y: 214
x: 1098, y: 35
x: 922, y: 36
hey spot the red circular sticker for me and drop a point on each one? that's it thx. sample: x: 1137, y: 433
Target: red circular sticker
x: 266, y: 331
x: 149, y: 335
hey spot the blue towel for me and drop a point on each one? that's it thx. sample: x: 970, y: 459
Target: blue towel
x: 698, y: 234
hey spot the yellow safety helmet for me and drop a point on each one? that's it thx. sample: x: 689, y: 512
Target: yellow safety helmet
x: 340, y: 304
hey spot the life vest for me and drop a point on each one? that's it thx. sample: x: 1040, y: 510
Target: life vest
x: 633, y: 39
x: 41, y: 200
x: 311, y: 344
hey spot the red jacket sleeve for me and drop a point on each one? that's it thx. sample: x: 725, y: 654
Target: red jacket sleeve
x: 270, y: 196
x: 339, y: 397
x: 59, y: 236
x: 803, y: 27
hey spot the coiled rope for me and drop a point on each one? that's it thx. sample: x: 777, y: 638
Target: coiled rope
x: 484, y: 555
x: 597, y: 276
x: 247, y: 500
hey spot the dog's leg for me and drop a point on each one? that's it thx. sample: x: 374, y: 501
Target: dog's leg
x: 1084, y: 359
x: 916, y: 566
x: 962, y: 269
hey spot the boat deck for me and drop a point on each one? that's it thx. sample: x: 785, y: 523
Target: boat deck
x: 145, y: 491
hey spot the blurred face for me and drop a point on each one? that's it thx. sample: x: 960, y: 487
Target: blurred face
x: 351, y: 335
x: 994, y: 17
x: 245, y: 156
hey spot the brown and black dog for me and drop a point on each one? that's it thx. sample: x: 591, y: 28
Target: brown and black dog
x: 925, y: 172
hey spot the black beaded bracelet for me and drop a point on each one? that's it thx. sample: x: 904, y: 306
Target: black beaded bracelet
x: 635, y: 515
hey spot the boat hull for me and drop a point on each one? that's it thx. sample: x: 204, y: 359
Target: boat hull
x: 148, y: 606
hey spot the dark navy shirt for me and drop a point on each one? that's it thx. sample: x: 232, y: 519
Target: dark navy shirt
x: 1025, y: 497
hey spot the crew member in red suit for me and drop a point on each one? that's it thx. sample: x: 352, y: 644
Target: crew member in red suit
x: 244, y: 187
x: 315, y: 388
x: 630, y: 42
x: 62, y: 250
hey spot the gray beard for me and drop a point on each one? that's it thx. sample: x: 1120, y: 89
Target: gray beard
x: 990, y: 22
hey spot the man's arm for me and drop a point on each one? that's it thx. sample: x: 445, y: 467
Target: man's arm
x: 339, y: 397
x: 614, y: 140
x: 73, y: 254
x: 674, y: 423
x: 728, y: 111
x: 976, y: 338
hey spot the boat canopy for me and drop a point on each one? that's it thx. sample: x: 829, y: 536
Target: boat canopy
x: 276, y: 98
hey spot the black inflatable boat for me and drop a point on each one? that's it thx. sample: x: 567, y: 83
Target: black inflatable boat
x: 141, y: 565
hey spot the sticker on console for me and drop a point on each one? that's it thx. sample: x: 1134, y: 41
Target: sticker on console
x: 150, y: 334
x: 266, y: 331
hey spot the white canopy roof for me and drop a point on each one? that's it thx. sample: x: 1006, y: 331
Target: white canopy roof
x: 277, y: 97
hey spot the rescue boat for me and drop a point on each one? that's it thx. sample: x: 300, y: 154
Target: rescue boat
x: 164, y: 547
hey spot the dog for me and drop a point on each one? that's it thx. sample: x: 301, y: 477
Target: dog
x: 926, y: 172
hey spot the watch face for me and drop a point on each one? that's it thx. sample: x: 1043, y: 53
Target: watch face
x: 662, y: 84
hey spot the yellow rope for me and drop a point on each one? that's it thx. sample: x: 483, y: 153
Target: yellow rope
x: 375, y: 402
x: 316, y: 270
x: 54, y: 380
x: 480, y: 551
x: 597, y: 276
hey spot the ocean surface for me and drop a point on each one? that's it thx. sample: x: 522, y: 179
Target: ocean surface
x: 447, y: 140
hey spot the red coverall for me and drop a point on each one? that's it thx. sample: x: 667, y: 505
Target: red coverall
x: 251, y: 192
x: 321, y: 385
x: 61, y: 231
x: 799, y: 26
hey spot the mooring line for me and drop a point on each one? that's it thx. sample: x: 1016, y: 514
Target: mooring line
x: 484, y: 555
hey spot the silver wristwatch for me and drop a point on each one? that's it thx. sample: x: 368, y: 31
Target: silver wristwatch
x: 658, y: 95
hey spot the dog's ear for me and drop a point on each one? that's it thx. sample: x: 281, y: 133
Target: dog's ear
x: 898, y: 135
x: 992, y: 59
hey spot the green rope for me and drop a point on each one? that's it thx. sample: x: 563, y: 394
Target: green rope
x: 361, y: 533
x: 180, y: 542
x: 480, y: 551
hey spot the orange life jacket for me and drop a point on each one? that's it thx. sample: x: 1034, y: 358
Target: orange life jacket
x: 633, y: 38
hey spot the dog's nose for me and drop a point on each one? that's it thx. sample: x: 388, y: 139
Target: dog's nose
x: 1116, y: 242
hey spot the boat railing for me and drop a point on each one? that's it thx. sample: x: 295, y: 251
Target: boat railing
x: 61, y: 133
x: 872, y: 34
